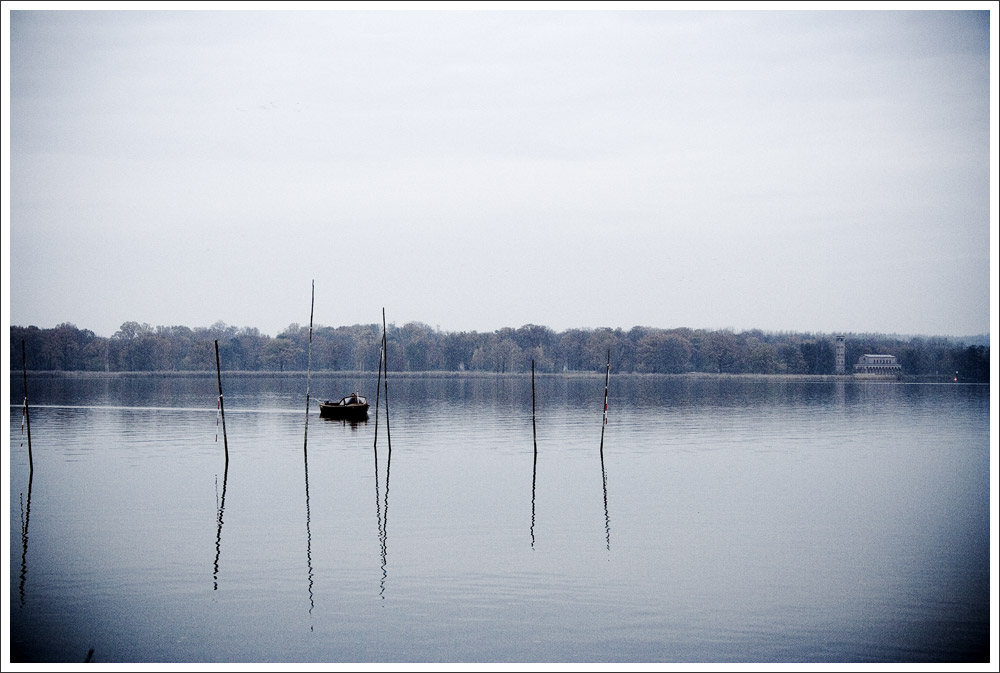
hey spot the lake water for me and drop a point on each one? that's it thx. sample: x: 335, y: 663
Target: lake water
x: 724, y: 520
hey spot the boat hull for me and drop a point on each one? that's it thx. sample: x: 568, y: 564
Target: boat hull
x: 344, y: 411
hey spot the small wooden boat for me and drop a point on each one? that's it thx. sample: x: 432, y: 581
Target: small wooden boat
x: 352, y: 407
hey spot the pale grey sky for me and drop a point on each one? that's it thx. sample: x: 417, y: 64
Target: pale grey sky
x: 816, y: 171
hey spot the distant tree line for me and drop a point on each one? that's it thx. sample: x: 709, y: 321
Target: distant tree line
x: 415, y: 346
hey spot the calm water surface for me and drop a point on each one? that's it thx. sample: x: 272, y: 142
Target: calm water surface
x: 725, y: 520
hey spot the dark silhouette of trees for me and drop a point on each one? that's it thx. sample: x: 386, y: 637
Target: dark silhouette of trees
x: 571, y: 349
x: 418, y: 347
x: 282, y: 352
x: 972, y: 363
x: 457, y: 350
x: 719, y: 353
x: 819, y: 355
x: 662, y: 352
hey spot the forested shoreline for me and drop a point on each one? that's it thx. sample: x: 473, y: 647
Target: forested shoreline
x: 416, y: 347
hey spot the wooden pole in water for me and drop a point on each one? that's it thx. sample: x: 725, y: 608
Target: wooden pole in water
x: 385, y: 384
x: 378, y: 397
x: 607, y: 378
x: 533, y: 405
x: 27, y: 418
x: 312, y: 304
x: 534, y: 435
x: 534, y: 465
x: 222, y: 407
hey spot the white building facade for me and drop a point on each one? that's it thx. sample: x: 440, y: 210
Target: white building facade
x: 878, y: 364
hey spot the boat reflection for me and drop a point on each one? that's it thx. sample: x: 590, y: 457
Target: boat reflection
x: 354, y: 423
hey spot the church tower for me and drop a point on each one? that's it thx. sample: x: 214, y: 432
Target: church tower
x: 839, y: 356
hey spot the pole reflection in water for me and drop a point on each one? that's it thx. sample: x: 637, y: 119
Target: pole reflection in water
x: 378, y: 514
x: 305, y: 460
x: 218, y: 533
x: 25, y: 517
x: 385, y: 528
x: 607, y: 520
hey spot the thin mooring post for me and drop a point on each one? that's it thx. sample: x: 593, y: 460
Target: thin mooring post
x: 534, y: 465
x: 27, y: 418
x: 385, y: 386
x: 533, y: 405
x: 222, y: 407
x: 312, y: 304
x: 378, y: 397
x: 534, y: 434
x: 607, y: 378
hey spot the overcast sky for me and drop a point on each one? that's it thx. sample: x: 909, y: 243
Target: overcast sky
x: 815, y: 171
